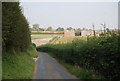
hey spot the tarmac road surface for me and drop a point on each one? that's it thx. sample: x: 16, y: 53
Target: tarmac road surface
x: 48, y: 68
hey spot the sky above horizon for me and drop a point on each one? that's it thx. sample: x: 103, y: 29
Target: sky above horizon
x: 71, y: 14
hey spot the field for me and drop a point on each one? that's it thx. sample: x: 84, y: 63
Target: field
x: 94, y: 54
x: 46, y: 34
x: 43, y: 37
x: 65, y: 40
x: 41, y: 40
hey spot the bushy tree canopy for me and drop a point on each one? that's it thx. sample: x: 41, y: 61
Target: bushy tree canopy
x: 35, y: 25
x: 49, y: 29
x: 60, y: 29
x: 15, y: 29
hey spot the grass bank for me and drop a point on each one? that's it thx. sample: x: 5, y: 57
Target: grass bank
x: 19, y: 65
x: 0, y: 68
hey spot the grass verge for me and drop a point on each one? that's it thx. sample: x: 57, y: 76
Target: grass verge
x: 79, y: 72
x: 19, y: 65
x: 0, y: 68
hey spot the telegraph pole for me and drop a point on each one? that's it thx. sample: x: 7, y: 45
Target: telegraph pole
x: 94, y: 30
x: 104, y: 26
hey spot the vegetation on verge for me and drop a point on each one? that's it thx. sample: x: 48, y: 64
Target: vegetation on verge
x: 19, y: 65
x: 79, y: 72
x: 18, y: 53
x: 96, y: 54
x: 31, y: 50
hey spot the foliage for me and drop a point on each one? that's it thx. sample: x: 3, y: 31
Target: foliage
x: 60, y: 29
x: 82, y: 73
x: 31, y: 50
x: 15, y: 31
x: 19, y: 65
x: 18, y: 54
x: 34, y: 45
x: 49, y: 29
x: 41, y: 29
x: 99, y: 54
x: 36, y: 29
x: 70, y: 28
x: 35, y: 25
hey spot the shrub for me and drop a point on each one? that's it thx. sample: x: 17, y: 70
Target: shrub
x: 34, y: 45
x: 99, y: 54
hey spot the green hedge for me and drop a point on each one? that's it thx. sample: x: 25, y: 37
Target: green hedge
x: 100, y: 54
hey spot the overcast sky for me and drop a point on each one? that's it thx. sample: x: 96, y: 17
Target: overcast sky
x: 71, y: 14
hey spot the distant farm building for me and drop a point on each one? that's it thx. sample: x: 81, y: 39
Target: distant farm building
x: 69, y: 33
x: 87, y: 33
x: 98, y: 32
x: 90, y: 32
x: 82, y: 33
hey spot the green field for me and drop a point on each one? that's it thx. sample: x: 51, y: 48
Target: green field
x: 50, y: 32
x: 45, y: 35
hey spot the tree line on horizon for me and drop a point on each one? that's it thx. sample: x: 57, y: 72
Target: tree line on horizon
x: 36, y: 27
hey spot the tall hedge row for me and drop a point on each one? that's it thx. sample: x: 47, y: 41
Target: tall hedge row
x: 101, y: 54
x: 15, y: 29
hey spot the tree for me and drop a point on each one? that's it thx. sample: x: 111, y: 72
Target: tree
x: 60, y: 29
x: 49, y: 29
x: 70, y: 28
x: 41, y: 29
x: 83, y: 28
x: 35, y: 25
x: 107, y: 29
x: 15, y: 28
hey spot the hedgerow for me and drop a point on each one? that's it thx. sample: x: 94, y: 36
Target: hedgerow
x: 99, y: 54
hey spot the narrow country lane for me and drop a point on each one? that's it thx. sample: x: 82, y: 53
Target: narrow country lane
x: 48, y: 68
